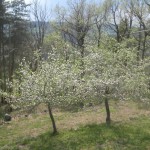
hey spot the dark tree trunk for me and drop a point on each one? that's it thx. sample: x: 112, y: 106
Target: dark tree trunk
x: 1, y: 69
x: 99, y: 28
x: 52, y: 119
x: 99, y: 35
x: 144, y: 46
x: 139, y: 43
x: 3, y: 62
x: 81, y: 47
x: 108, y: 120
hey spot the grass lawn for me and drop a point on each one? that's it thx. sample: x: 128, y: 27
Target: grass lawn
x: 83, y: 130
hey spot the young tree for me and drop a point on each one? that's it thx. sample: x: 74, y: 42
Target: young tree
x: 112, y: 72
x: 50, y: 84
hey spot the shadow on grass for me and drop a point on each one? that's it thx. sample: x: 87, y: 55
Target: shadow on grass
x: 95, y: 137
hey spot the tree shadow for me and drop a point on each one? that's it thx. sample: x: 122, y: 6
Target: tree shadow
x: 94, y: 136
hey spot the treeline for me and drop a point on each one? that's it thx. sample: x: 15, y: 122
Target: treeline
x: 81, y: 23
x: 19, y: 38
x: 14, y: 36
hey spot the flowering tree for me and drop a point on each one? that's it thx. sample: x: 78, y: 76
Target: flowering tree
x: 51, y: 84
x: 112, y: 72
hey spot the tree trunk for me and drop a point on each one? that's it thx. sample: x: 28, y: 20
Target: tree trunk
x: 52, y: 119
x: 144, y: 46
x: 99, y: 36
x: 108, y: 120
x: 139, y: 43
x: 3, y: 64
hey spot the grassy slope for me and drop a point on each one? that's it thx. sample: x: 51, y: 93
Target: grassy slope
x: 84, y: 130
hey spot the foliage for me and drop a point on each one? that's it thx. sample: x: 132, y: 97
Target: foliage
x: 115, y: 67
x: 51, y: 83
x: 56, y: 46
x: 109, y: 71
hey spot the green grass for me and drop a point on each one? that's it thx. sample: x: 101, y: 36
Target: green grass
x: 95, y: 137
x: 35, y: 133
x: 130, y: 136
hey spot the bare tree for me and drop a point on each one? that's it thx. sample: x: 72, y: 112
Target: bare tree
x: 113, y: 24
x: 147, y: 2
x: 128, y: 17
x: 39, y: 22
x: 101, y: 19
x: 120, y: 19
x: 75, y: 22
x: 140, y: 11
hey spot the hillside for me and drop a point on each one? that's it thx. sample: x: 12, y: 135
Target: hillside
x: 83, y: 130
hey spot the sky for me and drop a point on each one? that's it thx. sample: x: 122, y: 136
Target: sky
x: 50, y: 3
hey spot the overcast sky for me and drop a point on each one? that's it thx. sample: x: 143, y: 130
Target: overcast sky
x: 49, y: 3
x: 53, y: 3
